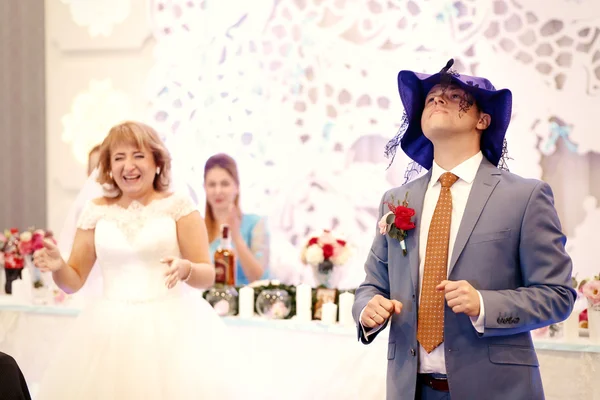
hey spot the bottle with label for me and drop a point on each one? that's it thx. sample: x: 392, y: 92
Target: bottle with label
x: 224, y: 259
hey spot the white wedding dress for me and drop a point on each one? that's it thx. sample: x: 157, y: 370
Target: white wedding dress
x: 141, y: 340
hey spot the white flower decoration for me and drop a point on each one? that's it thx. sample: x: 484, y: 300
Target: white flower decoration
x: 99, y: 16
x: 26, y: 236
x: 384, y: 227
x: 92, y: 115
x: 278, y: 310
x: 222, y: 307
x: 343, y: 257
x: 314, y: 255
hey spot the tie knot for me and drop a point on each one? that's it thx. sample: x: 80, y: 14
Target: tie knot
x: 448, y: 179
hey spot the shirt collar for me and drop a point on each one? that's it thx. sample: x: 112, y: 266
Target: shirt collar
x: 465, y: 170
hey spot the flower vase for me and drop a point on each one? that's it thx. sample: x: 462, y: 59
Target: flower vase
x: 571, y: 327
x: 12, y: 274
x: 274, y: 304
x: 224, y: 300
x: 36, y: 275
x: 322, y: 275
x: 594, y: 322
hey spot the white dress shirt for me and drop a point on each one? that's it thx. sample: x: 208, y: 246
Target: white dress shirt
x: 434, y: 362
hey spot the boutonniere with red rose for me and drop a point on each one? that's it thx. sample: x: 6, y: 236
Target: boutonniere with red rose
x: 397, y: 221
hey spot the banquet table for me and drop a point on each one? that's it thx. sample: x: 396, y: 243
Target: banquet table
x: 312, y: 360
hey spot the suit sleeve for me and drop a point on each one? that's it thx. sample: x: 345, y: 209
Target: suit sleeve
x: 546, y: 296
x: 376, y: 280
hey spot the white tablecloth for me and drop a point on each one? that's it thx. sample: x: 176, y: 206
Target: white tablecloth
x: 329, y: 357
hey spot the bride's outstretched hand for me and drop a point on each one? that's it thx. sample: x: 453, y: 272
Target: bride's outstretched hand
x: 178, y: 270
x: 48, y: 258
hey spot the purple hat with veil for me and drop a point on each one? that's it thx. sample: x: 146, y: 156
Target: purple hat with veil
x: 414, y: 87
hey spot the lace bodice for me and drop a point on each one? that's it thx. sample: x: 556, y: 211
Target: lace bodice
x: 130, y: 242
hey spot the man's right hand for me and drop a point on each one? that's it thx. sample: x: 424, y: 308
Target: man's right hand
x: 378, y: 310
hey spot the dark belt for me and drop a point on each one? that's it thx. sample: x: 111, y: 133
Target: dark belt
x: 441, y: 385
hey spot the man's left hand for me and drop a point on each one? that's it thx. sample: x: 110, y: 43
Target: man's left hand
x: 461, y: 297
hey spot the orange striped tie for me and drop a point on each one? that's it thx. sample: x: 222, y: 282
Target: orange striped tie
x: 430, y: 327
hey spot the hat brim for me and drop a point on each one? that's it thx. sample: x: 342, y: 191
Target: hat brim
x: 414, y: 87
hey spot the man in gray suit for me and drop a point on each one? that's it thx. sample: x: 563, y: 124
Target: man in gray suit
x: 469, y: 258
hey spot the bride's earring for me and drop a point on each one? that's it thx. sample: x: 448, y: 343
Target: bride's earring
x: 157, y: 170
x: 110, y: 174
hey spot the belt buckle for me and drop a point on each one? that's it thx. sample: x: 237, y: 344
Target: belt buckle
x: 439, y: 384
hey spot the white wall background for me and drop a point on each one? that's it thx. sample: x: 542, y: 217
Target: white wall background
x: 98, y: 55
x: 303, y: 94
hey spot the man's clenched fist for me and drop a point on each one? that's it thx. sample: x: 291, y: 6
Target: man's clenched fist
x: 378, y: 310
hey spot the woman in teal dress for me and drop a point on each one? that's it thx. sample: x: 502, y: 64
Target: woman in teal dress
x: 249, y: 233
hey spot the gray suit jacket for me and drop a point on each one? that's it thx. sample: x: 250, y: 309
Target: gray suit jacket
x: 510, y: 247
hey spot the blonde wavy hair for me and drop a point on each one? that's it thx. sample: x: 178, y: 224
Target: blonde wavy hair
x: 142, y: 136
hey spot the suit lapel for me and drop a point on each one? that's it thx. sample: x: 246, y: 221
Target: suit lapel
x: 485, y: 181
x: 416, y: 197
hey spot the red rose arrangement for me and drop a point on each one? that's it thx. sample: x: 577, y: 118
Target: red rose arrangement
x: 397, y: 222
